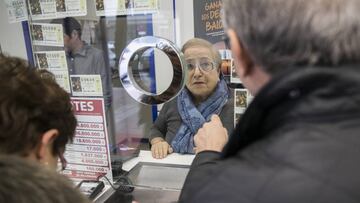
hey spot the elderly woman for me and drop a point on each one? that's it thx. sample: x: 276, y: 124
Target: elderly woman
x: 206, y: 93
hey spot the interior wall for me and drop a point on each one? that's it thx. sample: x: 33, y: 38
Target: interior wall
x: 163, y: 26
x: 184, y: 21
x: 11, y: 35
x: 177, y: 30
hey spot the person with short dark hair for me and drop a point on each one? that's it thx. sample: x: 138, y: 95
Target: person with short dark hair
x: 298, y: 140
x: 36, y: 116
x: 24, y: 181
x: 83, y: 59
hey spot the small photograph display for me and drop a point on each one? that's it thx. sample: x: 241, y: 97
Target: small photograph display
x: 241, y: 102
x: 76, y: 84
x: 35, y: 7
x: 99, y: 4
x: 241, y: 98
x: 129, y: 4
x: 234, y: 77
x: 60, y: 6
x: 37, y: 32
x: 226, y: 61
x: 42, y: 61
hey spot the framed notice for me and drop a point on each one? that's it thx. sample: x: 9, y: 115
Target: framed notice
x: 55, y: 62
x: 42, y: 9
x: 51, y: 60
x: 49, y: 9
x: 86, y: 85
x: 65, y: 8
x: 47, y: 34
x: 16, y: 10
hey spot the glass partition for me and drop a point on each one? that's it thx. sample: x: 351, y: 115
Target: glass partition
x: 88, y: 44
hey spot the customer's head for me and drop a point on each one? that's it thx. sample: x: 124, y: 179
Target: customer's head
x: 203, y: 62
x: 36, y: 117
x: 26, y: 182
x: 278, y: 34
x: 72, y: 33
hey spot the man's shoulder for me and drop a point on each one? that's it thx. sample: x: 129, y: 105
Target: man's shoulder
x: 93, y: 50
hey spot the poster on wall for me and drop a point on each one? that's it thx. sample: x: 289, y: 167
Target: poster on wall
x: 207, y: 21
x: 124, y: 7
x: 50, y: 9
x: 16, y: 10
x: 88, y: 157
x: 86, y: 85
x: 47, y: 34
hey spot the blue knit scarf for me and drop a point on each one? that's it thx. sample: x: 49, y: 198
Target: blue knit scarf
x: 193, y: 118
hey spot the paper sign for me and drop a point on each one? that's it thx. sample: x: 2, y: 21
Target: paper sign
x: 86, y: 85
x: 51, y: 60
x: 47, y: 34
x: 124, y: 7
x: 16, y: 10
x: 49, y: 9
x: 88, y: 156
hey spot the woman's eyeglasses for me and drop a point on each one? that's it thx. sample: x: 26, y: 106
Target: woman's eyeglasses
x: 205, y: 64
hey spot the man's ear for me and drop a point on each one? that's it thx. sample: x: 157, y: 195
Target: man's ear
x: 46, y: 144
x: 244, y: 63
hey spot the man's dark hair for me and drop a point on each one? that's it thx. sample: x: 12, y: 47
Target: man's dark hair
x: 282, y: 33
x: 70, y: 24
x: 31, y: 103
x: 27, y: 182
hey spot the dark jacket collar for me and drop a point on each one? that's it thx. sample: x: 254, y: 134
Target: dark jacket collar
x: 306, y: 93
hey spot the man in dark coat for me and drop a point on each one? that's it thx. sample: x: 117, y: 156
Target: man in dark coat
x: 299, y: 140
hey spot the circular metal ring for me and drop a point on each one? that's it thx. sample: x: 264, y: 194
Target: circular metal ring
x: 140, y: 45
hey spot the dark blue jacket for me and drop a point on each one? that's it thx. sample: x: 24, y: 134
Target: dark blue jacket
x: 299, y: 141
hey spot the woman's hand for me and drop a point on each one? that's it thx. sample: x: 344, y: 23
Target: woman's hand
x: 160, y: 148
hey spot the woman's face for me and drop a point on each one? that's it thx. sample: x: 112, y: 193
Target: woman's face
x: 201, y: 83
